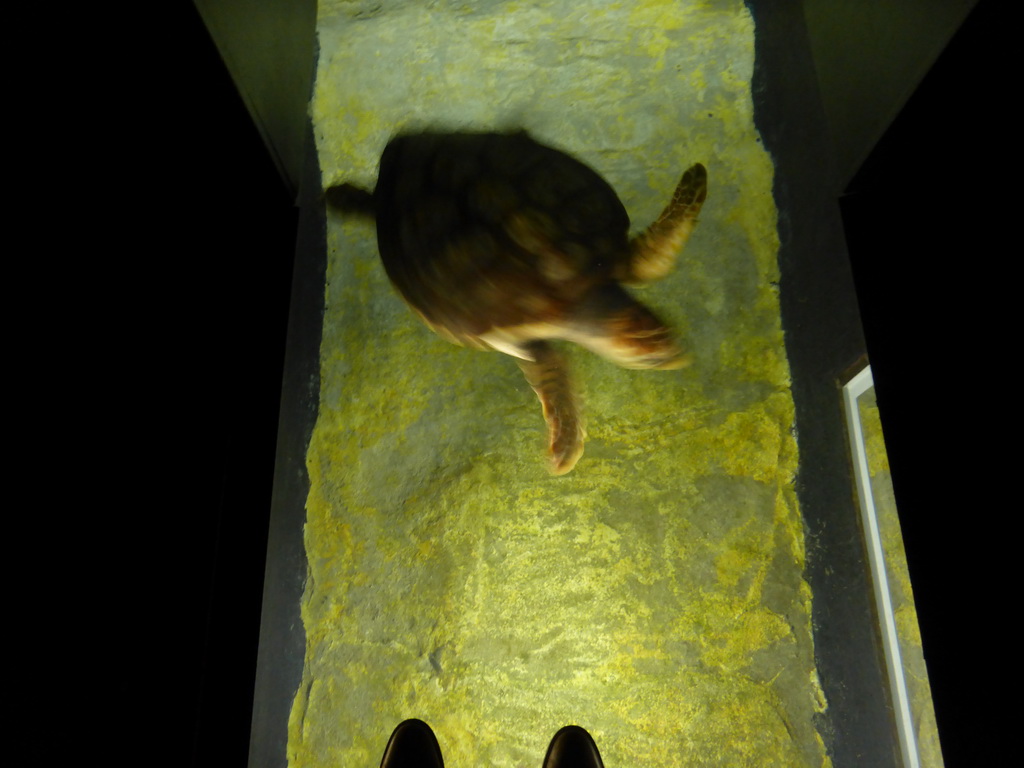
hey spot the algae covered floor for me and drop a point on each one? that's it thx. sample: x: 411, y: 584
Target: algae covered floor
x: 655, y: 594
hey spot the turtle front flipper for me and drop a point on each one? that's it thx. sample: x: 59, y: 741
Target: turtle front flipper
x: 653, y: 253
x: 549, y: 377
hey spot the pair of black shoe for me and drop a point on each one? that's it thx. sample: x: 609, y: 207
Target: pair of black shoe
x: 413, y: 745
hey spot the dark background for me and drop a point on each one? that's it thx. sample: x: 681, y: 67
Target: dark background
x: 925, y: 234
x: 927, y: 228
x: 220, y: 229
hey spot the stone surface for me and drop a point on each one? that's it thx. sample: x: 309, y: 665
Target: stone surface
x: 655, y: 594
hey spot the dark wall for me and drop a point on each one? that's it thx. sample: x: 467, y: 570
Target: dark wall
x: 928, y: 233
x: 925, y: 253
x: 869, y: 56
x: 217, y: 231
x: 269, y: 49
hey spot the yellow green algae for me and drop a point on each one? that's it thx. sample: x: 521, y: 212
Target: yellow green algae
x: 900, y: 593
x: 653, y: 595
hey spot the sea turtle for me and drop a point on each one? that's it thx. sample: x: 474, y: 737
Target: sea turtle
x: 499, y: 242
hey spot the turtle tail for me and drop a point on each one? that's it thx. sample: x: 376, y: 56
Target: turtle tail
x: 348, y: 198
x: 653, y: 253
x: 549, y: 377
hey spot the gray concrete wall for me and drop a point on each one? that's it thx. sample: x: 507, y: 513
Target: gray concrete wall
x: 870, y: 55
x: 268, y: 47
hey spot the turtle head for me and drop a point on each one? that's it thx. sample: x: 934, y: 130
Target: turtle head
x: 621, y: 329
x: 633, y: 341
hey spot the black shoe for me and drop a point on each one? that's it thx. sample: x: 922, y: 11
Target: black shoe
x: 573, y: 747
x: 412, y: 745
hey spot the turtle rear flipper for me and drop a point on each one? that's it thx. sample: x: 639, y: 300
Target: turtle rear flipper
x: 653, y: 253
x: 549, y: 377
x: 348, y: 198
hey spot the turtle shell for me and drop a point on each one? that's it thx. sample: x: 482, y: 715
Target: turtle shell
x: 487, y: 230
